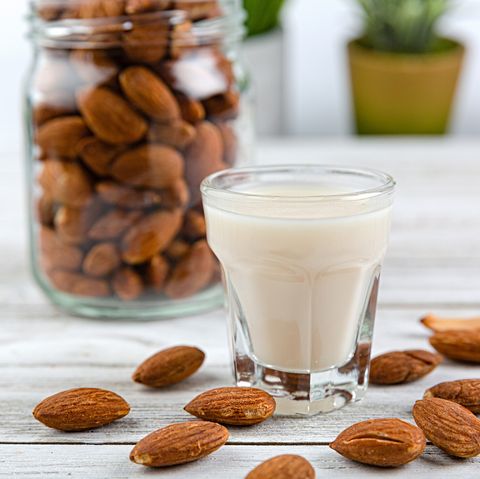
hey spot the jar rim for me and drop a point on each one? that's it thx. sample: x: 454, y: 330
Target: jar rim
x: 96, y: 32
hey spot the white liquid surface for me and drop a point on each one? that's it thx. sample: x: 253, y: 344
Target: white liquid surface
x: 302, y: 281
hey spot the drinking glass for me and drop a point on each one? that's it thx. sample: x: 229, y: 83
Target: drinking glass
x: 301, y: 247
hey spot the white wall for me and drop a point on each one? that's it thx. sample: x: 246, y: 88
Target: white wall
x: 317, y: 31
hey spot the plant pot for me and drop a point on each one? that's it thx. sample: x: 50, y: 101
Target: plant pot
x: 405, y: 94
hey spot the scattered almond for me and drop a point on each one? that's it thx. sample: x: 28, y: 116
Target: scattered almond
x: 286, y: 466
x: 449, y: 426
x: 464, y: 391
x: 381, y: 442
x: 169, y: 366
x: 236, y: 406
x: 179, y: 444
x: 402, y: 366
x: 81, y: 409
x: 459, y: 345
x: 438, y: 324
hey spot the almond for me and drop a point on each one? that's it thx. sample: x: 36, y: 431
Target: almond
x: 127, y: 197
x: 97, y: 155
x: 57, y: 103
x: 66, y: 183
x: 56, y: 254
x: 177, y: 249
x: 223, y: 106
x: 157, y: 272
x: 146, y: 42
x: 113, y: 224
x: 402, y: 366
x: 79, y: 285
x: 177, y: 134
x: 72, y: 224
x: 149, y: 236
x: 176, y: 195
x: 81, y: 409
x: 465, y: 392
x: 46, y: 210
x: 169, y: 366
x: 149, y: 94
x: 179, y: 444
x: 235, y: 406
x: 381, y: 442
x: 196, y: 10
x: 149, y: 166
x: 459, y: 345
x: 127, y: 284
x: 447, y: 324
x: 101, y: 260
x: 110, y: 117
x: 203, y: 157
x: 451, y: 427
x: 286, y: 466
x: 98, y: 8
x: 58, y: 138
x: 192, y: 273
x: 192, y: 110
x: 49, y: 12
x: 141, y: 6
x: 194, y: 226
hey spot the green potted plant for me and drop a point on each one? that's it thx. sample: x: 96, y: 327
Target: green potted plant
x: 264, y: 55
x: 403, y: 73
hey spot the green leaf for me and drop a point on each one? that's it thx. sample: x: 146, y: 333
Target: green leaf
x: 263, y: 15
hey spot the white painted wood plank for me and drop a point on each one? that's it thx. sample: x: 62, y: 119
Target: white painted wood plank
x: 230, y: 462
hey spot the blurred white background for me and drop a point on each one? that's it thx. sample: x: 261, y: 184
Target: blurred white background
x: 316, y: 95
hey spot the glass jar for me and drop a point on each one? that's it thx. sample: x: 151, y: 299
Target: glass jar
x: 130, y: 104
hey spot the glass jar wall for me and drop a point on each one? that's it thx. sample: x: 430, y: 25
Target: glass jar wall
x: 130, y: 104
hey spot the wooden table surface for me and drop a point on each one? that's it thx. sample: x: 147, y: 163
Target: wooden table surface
x: 433, y: 265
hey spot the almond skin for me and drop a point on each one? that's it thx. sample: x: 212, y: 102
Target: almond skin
x: 149, y: 236
x: 465, y: 392
x: 286, y: 466
x: 235, y: 406
x: 381, y: 442
x: 459, y: 345
x: 148, y: 93
x: 449, y: 426
x: 81, y: 409
x: 437, y: 324
x: 110, y: 117
x: 179, y: 444
x: 149, y: 166
x: 399, y: 367
x: 169, y: 366
x: 101, y: 260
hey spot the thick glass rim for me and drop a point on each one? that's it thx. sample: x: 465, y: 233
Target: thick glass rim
x: 386, y: 182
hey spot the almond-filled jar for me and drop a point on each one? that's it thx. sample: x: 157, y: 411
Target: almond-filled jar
x: 130, y: 105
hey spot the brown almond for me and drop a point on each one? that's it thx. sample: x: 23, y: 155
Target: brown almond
x: 97, y: 155
x: 286, y: 466
x: 465, y: 392
x: 81, y: 409
x: 146, y: 43
x: 126, y: 197
x: 179, y: 444
x: 149, y: 236
x: 66, y: 183
x: 55, y: 104
x: 149, y: 166
x: 127, y: 284
x: 79, y: 284
x: 177, y: 134
x: 223, y: 106
x: 176, y: 196
x: 235, y: 406
x: 97, y: 8
x: 56, y: 254
x: 459, y: 345
x: 169, y: 366
x: 141, y: 6
x: 177, y: 249
x: 110, y: 117
x: 399, y: 367
x: 46, y: 209
x: 149, y: 94
x: 58, y: 138
x: 194, y: 226
x: 101, y: 260
x: 192, y: 273
x: 192, y: 110
x: 72, y: 224
x: 196, y: 10
x: 381, y: 442
x: 157, y: 272
x: 203, y: 157
x: 438, y: 324
x: 450, y: 426
x: 111, y: 225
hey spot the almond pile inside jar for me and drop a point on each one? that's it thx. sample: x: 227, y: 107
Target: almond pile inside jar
x: 133, y: 103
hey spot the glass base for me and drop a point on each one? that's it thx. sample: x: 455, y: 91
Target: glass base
x: 298, y: 394
x: 114, y: 308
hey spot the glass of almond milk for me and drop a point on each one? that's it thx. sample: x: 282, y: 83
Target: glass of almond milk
x: 301, y: 249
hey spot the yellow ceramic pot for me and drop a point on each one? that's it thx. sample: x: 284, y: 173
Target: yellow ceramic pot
x: 407, y: 94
